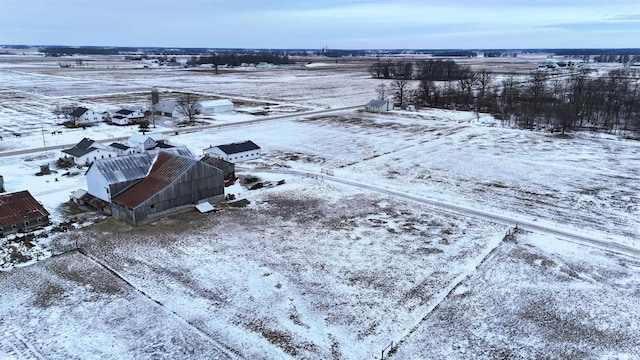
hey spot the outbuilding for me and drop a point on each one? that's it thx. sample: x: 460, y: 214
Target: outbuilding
x: 19, y: 211
x: 216, y: 106
x: 235, y: 152
x: 377, y: 106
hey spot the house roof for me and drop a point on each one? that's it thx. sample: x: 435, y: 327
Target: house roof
x: 166, y: 169
x: 82, y: 148
x: 235, y: 148
x: 377, y: 103
x: 18, y: 207
x: 79, y: 111
x: 124, y: 112
x: 141, y: 138
x: 123, y: 168
x: 119, y: 146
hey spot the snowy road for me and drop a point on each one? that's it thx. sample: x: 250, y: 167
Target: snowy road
x: 183, y: 130
x: 603, y: 241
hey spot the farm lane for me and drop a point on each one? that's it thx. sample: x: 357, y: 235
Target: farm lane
x: 595, y: 239
x: 188, y: 130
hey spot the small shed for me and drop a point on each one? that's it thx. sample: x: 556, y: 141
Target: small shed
x: 78, y: 195
x: 19, y: 211
x: 378, y: 106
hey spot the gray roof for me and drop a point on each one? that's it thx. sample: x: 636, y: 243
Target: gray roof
x: 377, y: 103
x: 82, y: 148
x: 178, y: 150
x: 78, y: 112
x: 235, y: 148
x: 119, y: 146
x: 124, y: 168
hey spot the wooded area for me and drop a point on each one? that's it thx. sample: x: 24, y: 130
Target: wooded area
x: 577, y: 99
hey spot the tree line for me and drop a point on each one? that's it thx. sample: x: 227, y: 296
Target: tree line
x: 581, y: 100
x: 236, y: 59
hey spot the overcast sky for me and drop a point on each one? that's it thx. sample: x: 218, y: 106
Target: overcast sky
x: 348, y: 24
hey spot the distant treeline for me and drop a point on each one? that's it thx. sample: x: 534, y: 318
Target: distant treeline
x: 233, y: 59
x: 434, y: 70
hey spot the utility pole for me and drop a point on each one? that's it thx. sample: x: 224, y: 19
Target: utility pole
x: 44, y: 144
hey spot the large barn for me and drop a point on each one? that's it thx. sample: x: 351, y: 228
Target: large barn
x: 174, y: 182
x: 19, y: 211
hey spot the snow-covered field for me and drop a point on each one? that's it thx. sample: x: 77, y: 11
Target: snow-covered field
x: 318, y: 269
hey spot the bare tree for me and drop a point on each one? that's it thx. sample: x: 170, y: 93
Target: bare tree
x: 382, y: 91
x: 189, y: 105
x: 400, y: 88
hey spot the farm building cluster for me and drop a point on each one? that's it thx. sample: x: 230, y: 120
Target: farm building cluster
x: 136, y: 115
x: 137, y: 181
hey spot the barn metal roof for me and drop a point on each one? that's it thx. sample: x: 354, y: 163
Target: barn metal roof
x: 235, y: 148
x: 166, y: 168
x: 216, y: 162
x: 18, y: 207
x: 124, y: 168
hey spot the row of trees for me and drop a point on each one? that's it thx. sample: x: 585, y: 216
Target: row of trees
x: 236, y: 59
x: 578, y: 101
x: 437, y: 70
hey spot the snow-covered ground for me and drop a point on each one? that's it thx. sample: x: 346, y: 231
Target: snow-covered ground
x: 317, y: 269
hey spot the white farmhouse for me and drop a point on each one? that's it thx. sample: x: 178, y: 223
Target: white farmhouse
x: 235, y: 152
x: 142, y: 142
x: 126, y: 117
x: 87, y: 150
x: 82, y: 115
x: 215, y: 106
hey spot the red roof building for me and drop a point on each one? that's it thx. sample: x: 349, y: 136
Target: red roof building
x: 19, y: 211
x: 173, y: 182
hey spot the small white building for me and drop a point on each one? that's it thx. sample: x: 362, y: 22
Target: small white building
x: 82, y: 115
x: 235, y: 152
x: 378, y: 106
x: 126, y: 117
x: 216, y: 106
x: 142, y: 142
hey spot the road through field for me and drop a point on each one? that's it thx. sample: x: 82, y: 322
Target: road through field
x: 183, y: 130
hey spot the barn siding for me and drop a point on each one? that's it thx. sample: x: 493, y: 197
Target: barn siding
x: 199, y: 182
